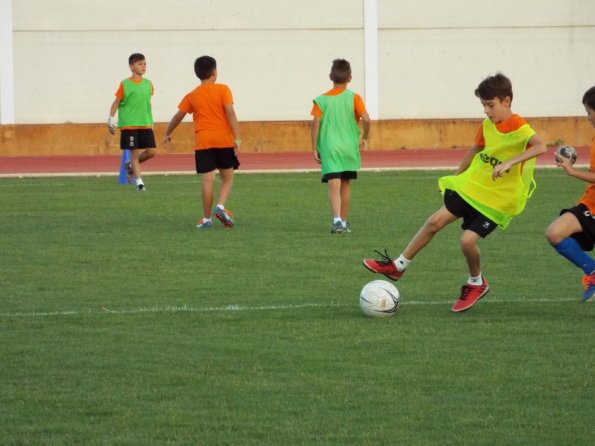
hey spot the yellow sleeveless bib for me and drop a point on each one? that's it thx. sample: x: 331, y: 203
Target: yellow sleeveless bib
x: 505, y: 197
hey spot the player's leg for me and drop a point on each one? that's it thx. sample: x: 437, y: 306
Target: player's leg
x: 147, y: 154
x: 135, y: 164
x: 205, y: 167
x: 226, y: 185
x: 471, y: 252
x: 476, y: 226
x: 395, y: 269
x: 437, y: 221
x: 226, y: 161
x: 562, y: 227
x: 334, y: 198
x: 570, y: 235
x: 146, y: 141
x: 207, y: 183
x: 345, y: 198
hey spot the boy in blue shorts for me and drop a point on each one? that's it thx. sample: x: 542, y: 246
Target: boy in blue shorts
x: 336, y: 140
x: 573, y: 232
x: 135, y: 118
x: 490, y: 187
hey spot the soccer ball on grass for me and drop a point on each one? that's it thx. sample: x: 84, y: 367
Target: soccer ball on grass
x: 379, y: 298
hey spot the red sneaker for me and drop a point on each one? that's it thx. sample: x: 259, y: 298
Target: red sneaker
x: 589, y: 284
x: 470, y: 294
x: 385, y: 266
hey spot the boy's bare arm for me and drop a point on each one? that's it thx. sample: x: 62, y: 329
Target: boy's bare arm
x: 175, y: 121
x: 537, y: 147
x: 111, y: 121
x: 466, y: 161
x: 585, y: 175
x: 314, y: 129
x: 366, y: 131
x: 234, y: 124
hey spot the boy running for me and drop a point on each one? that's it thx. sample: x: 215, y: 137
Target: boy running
x: 217, y: 138
x: 490, y: 187
x: 135, y: 118
x: 573, y: 232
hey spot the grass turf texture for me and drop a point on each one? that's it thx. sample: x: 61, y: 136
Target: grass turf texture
x: 120, y: 323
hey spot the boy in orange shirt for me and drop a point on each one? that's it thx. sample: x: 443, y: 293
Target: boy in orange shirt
x: 135, y: 118
x: 573, y: 232
x: 217, y: 138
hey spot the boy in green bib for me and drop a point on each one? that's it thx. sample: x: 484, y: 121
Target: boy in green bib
x: 490, y: 187
x: 336, y: 140
x: 135, y: 118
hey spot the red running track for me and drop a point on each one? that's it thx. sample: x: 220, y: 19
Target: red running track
x: 184, y: 163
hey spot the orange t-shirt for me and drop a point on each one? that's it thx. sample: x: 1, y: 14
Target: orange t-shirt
x: 358, y: 104
x: 508, y: 125
x: 211, y: 127
x: 120, y: 95
x: 588, y: 199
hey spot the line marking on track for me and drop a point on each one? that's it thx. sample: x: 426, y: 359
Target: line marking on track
x: 245, y: 308
x: 239, y: 171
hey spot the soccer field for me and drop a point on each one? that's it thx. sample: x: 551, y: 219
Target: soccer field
x: 121, y: 323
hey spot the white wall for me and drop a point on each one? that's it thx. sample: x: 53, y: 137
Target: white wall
x: 69, y: 55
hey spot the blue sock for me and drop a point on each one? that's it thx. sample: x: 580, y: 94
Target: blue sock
x: 570, y: 249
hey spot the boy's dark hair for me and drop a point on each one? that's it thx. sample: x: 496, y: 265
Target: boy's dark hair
x: 496, y: 86
x: 589, y: 98
x: 135, y: 57
x: 204, y: 67
x: 340, y: 71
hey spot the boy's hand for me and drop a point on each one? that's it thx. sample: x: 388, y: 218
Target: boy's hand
x: 166, y: 140
x: 564, y: 163
x: 317, y: 156
x: 111, y: 125
x: 363, y: 144
x: 500, y: 169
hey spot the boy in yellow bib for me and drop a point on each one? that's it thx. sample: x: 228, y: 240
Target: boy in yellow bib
x: 490, y: 187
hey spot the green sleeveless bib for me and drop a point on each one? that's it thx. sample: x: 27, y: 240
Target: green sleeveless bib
x: 135, y: 108
x: 338, y: 138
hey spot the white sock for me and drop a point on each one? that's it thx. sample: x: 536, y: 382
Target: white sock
x: 402, y: 263
x: 336, y: 219
x: 477, y: 280
x: 139, y: 181
x: 344, y: 223
x: 220, y: 206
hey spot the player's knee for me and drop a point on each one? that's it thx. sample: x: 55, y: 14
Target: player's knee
x: 468, y: 242
x: 553, y: 234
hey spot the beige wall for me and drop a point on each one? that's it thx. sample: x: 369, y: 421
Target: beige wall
x: 71, y: 54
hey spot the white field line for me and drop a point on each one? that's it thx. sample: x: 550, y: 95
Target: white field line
x: 253, y: 171
x: 245, y: 308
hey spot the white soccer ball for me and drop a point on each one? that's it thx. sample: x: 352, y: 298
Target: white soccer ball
x: 379, y: 298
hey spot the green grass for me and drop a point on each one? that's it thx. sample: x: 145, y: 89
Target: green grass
x: 122, y: 324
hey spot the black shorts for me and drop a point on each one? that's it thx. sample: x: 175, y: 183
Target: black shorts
x: 137, y: 139
x: 585, y: 239
x: 207, y: 160
x: 345, y: 175
x: 473, y: 220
